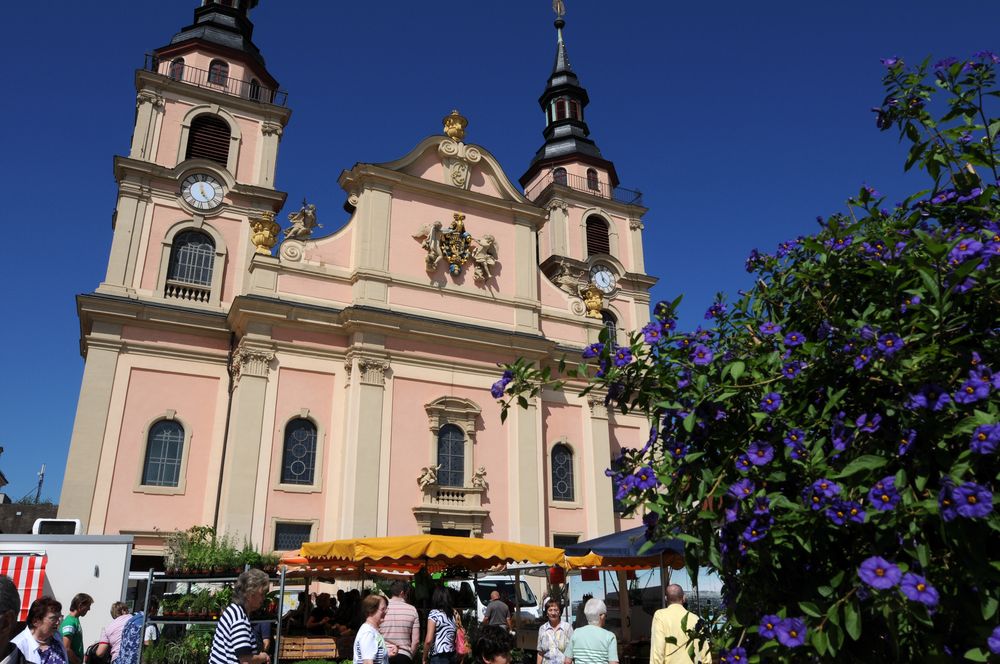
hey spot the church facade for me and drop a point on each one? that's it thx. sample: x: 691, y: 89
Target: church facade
x: 286, y: 386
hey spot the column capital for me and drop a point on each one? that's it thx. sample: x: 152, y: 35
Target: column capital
x: 269, y: 128
x: 149, y: 97
x: 371, y: 369
x: 595, y: 402
x: 251, y: 359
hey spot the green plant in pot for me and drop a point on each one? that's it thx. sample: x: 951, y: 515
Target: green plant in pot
x: 185, y: 605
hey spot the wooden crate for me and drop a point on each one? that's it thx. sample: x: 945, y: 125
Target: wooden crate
x: 307, y: 647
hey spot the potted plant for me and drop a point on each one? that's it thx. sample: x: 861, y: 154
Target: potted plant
x: 185, y: 605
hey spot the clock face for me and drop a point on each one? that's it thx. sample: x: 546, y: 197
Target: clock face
x: 603, y: 278
x: 202, y: 191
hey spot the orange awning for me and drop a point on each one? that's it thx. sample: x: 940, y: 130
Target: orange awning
x: 624, y: 563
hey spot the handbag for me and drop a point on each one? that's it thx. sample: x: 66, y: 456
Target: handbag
x: 461, y: 645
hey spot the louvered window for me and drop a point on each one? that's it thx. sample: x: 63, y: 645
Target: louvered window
x: 208, y: 138
x: 598, y: 241
x: 218, y: 72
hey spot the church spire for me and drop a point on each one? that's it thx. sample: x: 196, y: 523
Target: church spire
x: 567, y: 136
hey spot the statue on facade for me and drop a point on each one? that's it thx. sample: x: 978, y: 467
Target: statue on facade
x: 485, y: 257
x: 428, y: 476
x: 303, y: 222
x: 431, y: 236
x: 479, y: 479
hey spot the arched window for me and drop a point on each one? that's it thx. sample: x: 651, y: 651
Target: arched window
x: 164, y: 451
x: 298, y: 458
x: 592, y: 182
x: 177, y: 69
x: 189, y: 272
x: 610, y: 324
x: 559, y: 175
x: 451, y: 456
x: 562, y: 473
x: 209, y: 138
x: 218, y: 72
x: 253, y: 91
x: 598, y: 241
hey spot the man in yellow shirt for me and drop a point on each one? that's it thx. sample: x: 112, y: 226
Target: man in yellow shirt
x: 669, y: 642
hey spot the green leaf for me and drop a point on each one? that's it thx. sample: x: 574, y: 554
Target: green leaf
x: 865, y: 462
x: 976, y: 655
x: 819, y: 640
x: 736, y: 369
x: 689, y: 422
x: 852, y: 620
x: 810, y: 609
x: 989, y: 607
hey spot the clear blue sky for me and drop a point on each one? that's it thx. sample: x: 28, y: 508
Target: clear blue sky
x: 739, y: 121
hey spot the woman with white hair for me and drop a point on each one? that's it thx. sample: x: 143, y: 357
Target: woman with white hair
x: 592, y: 644
x: 234, y: 641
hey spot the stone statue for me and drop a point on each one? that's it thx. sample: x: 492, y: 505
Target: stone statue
x: 485, y: 257
x: 303, y: 222
x: 431, y: 236
x: 479, y: 479
x: 428, y: 476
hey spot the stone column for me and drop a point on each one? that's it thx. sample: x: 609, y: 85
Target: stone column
x: 129, y: 219
x: 635, y: 227
x: 601, y: 515
x: 558, y: 227
x: 271, y: 132
x: 527, y: 492
x: 149, y: 105
x: 363, y: 445
x: 103, y: 345
x: 250, y: 368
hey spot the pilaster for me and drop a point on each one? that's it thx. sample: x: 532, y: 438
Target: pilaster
x: 372, y: 246
x: 130, y: 215
x: 271, y: 132
x: 524, y: 478
x: 525, y: 281
x: 250, y: 369
x: 635, y: 228
x: 597, y: 458
x: 558, y: 227
x: 102, y: 347
x: 148, y: 108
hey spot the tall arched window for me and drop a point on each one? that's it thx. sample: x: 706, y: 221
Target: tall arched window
x: 562, y: 473
x: 559, y: 175
x: 177, y: 69
x: 164, y: 450
x: 191, y: 258
x: 592, y: 182
x: 451, y: 456
x: 610, y: 324
x: 253, y: 91
x: 298, y: 458
x: 218, y: 72
x: 208, y: 138
x: 598, y: 240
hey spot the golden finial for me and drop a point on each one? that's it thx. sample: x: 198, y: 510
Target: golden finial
x: 454, y: 125
x: 264, y: 231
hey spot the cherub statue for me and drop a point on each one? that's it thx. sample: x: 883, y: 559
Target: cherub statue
x: 485, y: 257
x: 479, y: 479
x: 303, y: 222
x: 428, y: 476
x: 431, y: 236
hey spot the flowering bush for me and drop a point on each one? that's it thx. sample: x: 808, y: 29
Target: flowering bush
x: 829, y: 446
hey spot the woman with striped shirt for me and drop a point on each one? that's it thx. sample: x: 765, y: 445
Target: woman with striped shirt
x: 234, y: 641
x: 439, y: 645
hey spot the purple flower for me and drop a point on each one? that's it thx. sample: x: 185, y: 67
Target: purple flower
x: 842, y: 511
x: 946, y: 503
x: 794, y: 339
x: 734, y: 656
x: 652, y: 332
x: 645, y: 478
x: 622, y: 356
x: 868, y: 425
x: 760, y: 453
x: 863, y: 357
x: 994, y: 641
x: 756, y: 531
x: 497, y: 389
x: 669, y: 324
x: 879, y: 573
x: 791, y: 369
x: 791, y: 632
x: 839, y: 243
x: 702, y: 355
x: 678, y: 450
x: 883, y: 496
x: 964, y: 250
x: 769, y: 328
x: 742, y: 489
x: 945, y: 63
x: 826, y: 487
x: 894, y: 61
x: 715, y: 311
x: 906, y: 440
x: 972, y: 500
x: 771, y: 402
x: 732, y: 513
x: 889, y: 344
x: 972, y: 391
x: 976, y: 192
x: 768, y: 625
x: 840, y: 437
x: 743, y: 463
x: 985, y: 439
x: 909, y: 301
x: 916, y: 588
x: 593, y: 350
x: 762, y: 506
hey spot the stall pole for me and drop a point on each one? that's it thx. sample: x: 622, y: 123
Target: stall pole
x: 281, y: 610
x: 663, y: 583
x: 145, y: 612
x: 517, y: 599
x: 624, y: 607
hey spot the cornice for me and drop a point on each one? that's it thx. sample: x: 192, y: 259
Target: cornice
x: 159, y: 83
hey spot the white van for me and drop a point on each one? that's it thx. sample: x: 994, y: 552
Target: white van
x: 530, y: 611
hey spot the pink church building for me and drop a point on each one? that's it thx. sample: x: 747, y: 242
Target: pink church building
x: 287, y: 386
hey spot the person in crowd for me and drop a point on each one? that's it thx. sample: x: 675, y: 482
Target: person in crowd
x: 152, y: 632
x: 580, y: 620
x: 321, y: 617
x: 439, y: 644
x: 70, y: 629
x: 233, y: 642
x: 263, y: 635
x: 592, y: 644
x: 675, y: 621
x: 369, y: 645
x: 294, y: 621
x: 492, y: 645
x: 10, y: 604
x: 401, y: 625
x: 553, y: 635
x: 111, y: 635
x: 39, y: 643
x: 497, y: 612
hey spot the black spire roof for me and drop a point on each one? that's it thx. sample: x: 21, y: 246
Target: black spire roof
x: 220, y: 25
x: 567, y: 137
